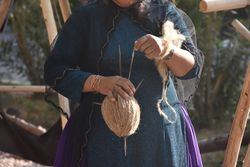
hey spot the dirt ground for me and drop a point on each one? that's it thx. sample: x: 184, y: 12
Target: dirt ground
x: 9, y: 160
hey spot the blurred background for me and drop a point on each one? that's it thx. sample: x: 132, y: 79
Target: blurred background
x: 24, y: 47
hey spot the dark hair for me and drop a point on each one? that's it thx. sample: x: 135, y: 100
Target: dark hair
x: 144, y: 8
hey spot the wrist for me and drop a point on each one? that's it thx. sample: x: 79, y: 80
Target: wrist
x: 92, y: 84
x: 95, y: 83
x: 170, y: 52
x: 169, y: 55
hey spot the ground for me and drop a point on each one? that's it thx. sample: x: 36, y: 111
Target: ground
x: 9, y: 160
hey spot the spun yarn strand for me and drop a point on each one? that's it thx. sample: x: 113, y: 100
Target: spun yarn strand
x: 173, y: 37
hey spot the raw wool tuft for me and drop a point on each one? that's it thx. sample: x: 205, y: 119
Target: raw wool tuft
x: 121, y: 116
x: 173, y: 37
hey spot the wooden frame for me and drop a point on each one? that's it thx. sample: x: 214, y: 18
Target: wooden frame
x: 243, y: 107
x: 241, y: 116
x: 239, y: 124
x: 52, y: 32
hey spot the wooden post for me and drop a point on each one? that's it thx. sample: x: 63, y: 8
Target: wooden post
x: 218, y: 5
x: 246, y: 162
x: 239, y: 124
x: 65, y: 9
x: 4, y: 8
x: 241, y: 29
x: 52, y: 32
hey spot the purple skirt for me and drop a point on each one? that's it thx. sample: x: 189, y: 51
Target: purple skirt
x: 63, y: 158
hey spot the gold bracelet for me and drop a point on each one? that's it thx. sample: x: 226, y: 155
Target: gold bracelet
x: 95, y: 84
x: 92, y: 81
x: 98, y: 81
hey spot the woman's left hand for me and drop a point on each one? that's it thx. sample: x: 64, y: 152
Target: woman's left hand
x: 153, y: 47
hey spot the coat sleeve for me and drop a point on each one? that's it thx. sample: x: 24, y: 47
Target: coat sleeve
x: 61, y: 70
x: 176, y: 17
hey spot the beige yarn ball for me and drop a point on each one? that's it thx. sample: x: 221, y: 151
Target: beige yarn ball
x: 121, y: 116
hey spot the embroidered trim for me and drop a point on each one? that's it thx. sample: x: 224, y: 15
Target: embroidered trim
x: 49, y: 88
x: 107, y: 41
x: 83, y: 146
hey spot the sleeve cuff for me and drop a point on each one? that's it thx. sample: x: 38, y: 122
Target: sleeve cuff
x: 71, y: 84
x: 192, y: 73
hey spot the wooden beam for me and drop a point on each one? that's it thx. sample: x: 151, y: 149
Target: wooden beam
x: 23, y: 88
x: 4, y: 8
x: 219, y: 143
x: 219, y: 5
x: 65, y: 9
x: 241, y: 29
x: 239, y: 124
x: 246, y: 162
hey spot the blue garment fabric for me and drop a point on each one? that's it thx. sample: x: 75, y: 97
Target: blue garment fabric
x: 156, y: 143
x: 76, y: 55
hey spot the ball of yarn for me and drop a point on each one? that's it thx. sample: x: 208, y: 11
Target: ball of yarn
x: 121, y: 116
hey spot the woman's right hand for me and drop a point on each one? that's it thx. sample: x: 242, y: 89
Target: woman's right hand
x: 112, y: 86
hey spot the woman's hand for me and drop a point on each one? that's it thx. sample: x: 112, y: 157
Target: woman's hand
x: 115, y: 85
x: 153, y: 47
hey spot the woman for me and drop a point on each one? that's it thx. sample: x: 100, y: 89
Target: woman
x: 84, y: 66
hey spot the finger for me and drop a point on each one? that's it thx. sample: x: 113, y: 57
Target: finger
x: 114, y: 93
x: 140, y: 41
x: 150, y: 57
x: 149, y: 50
x: 110, y: 96
x: 145, y: 46
x: 121, y: 92
x: 129, y: 83
x: 125, y: 86
x: 164, y: 52
x: 122, y: 81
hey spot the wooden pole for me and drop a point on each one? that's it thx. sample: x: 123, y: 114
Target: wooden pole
x: 49, y: 19
x: 246, y: 162
x: 65, y: 9
x: 239, y: 124
x: 35, y: 130
x: 23, y: 88
x: 218, y: 5
x: 4, y: 8
x: 241, y: 29
x: 52, y: 32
